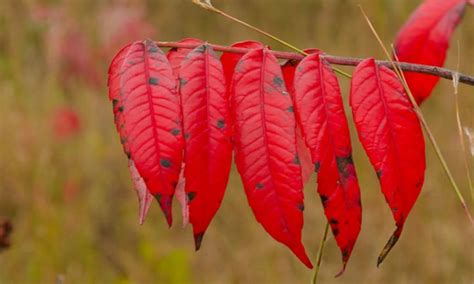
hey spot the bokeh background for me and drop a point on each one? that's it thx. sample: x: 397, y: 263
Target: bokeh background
x: 65, y: 186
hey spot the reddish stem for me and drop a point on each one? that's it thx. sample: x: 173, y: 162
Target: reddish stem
x: 339, y: 60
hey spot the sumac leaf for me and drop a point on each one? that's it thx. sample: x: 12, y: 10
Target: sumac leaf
x: 229, y: 60
x: 424, y: 39
x: 207, y: 128
x: 307, y: 167
x: 115, y: 95
x: 144, y: 196
x: 320, y: 112
x: 265, y: 148
x: 152, y: 120
x: 390, y: 133
x: 176, y: 55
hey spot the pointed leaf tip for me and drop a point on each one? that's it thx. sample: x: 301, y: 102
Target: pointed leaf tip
x: 198, y: 240
x: 390, y: 244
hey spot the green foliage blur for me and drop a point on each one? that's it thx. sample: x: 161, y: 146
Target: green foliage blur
x: 65, y: 186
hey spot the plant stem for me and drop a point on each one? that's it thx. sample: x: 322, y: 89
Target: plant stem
x: 320, y: 254
x: 459, y: 123
x: 338, y: 60
x: 422, y: 119
x: 208, y: 6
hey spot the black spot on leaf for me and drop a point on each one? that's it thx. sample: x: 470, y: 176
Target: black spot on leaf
x: 379, y: 174
x: 296, y: 160
x: 278, y: 81
x: 186, y: 136
x: 260, y: 185
x: 153, y: 81
x: 324, y: 198
x: 175, y: 131
x: 317, y: 165
x: 291, y: 109
x: 165, y: 163
x: 220, y: 123
x: 120, y: 108
x: 335, y: 232
x: 191, y: 196
x: 153, y: 48
x: 182, y: 82
x: 300, y: 207
x: 333, y: 221
x: 342, y: 163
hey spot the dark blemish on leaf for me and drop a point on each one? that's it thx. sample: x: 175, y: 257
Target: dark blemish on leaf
x: 158, y: 197
x: 173, y: 49
x: 182, y: 82
x: 379, y: 174
x: 291, y: 109
x: 115, y: 102
x: 342, y: 163
x: 394, y: 209
x: 296, y: 160
x: 333, y: 221
x: 186, y: 136
x: 175, y: 131
x: 220, y: 123
x: 120, y: 108
x: 191, y: 196
x: 300, y: 206
x: 317, y: 165
x: 324, y: 198
x: 123, y: 140
x: 129, y: 155
x: 335, y: 232
x: 260, y: 185
x: 153, y: 48
x: 153, y: 81
x: 278, y: 81
x: 165, y: 163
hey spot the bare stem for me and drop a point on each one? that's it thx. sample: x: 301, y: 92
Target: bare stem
x: 320, y: 254
x: 208, y: 6
x: 421, y: 117
x: 339, y: 60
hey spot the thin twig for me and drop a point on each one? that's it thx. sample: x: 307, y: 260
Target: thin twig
x: 320, y: 254
x: 338, y: 60
x: 422, y: 119
x: 459, y: 123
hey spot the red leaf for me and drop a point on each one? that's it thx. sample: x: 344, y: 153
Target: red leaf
x: 114, y: 84
x: 320, y: 111
x: 176, y: 55
x: 424, y: 39
x: 143, y: 194
x: 207, y: 128
x: 229, y: 60
x: 390, y: 133
x: 152, y: 124
x: 288, y: 68
x: 266, y: 155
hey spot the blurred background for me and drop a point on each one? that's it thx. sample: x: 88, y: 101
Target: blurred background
x: 65, y: 186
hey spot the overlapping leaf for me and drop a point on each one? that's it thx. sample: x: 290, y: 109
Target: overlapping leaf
x: 390, y: 133
x: 152, y: 120
x: 115, y: 95
x: 320, y: 112
x: 425, y: 38
x: 266, y: 155
x: 207, y: 130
